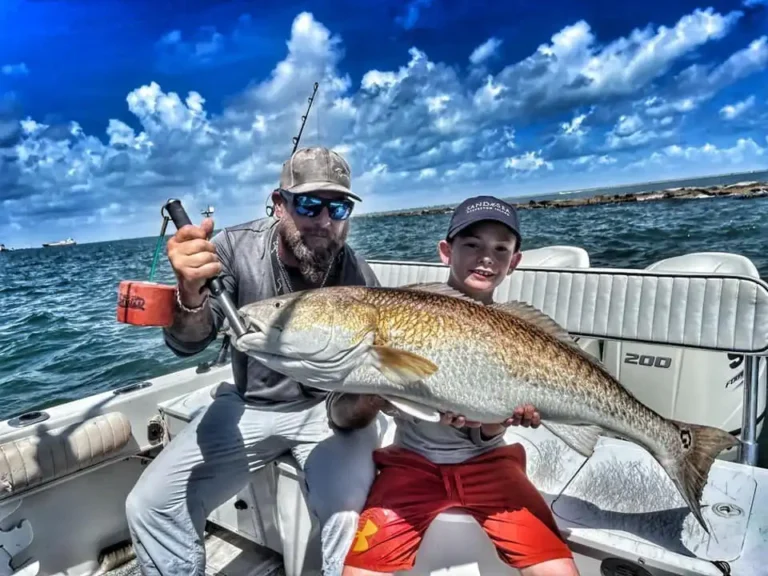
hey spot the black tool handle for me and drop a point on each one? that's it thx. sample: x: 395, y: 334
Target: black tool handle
x: 177, y: 213
x: 180, y: 219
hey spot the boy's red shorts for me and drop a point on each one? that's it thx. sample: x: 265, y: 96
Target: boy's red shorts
x: 410, y: 491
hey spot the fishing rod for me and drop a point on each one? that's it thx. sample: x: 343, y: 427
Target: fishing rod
x: 270, y: 210
x: 304, y: 119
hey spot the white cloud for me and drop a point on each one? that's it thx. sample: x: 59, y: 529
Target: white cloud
x: 593, y: 161
x: 741, y: 64
x: 19, y: 69
x: 630, y: 131
x: 732, y: 111
x: 573, y: 69
x: 574, y: 128
x: 628, y: 125
x: 744, y: 148
x: 484, y: 51
x: 700, y: 82
x: 658, y: 107
x: 422, y: 132
x: 746, y: 154
x: 527, y: 162
x: 571, y: 136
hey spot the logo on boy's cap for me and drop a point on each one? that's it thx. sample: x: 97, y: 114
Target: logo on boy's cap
x: 479, y: 208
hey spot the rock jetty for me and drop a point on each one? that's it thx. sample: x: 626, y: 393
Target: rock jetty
x: 743, y: 190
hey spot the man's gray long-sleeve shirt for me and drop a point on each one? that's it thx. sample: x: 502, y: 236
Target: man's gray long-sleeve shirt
x: 248, y: 276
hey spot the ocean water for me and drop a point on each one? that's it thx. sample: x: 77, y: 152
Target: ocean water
x: 59, y: 338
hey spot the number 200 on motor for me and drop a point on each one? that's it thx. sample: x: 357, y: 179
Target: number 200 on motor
x: 647, y: 360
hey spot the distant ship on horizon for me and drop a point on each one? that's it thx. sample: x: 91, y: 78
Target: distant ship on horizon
x: 67, y: 242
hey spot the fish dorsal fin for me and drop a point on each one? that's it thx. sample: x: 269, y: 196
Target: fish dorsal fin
x: 534, y: 316
x: 438, y: 288
x: 543, y: 321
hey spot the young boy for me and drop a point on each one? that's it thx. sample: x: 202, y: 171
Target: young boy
x: 432, y: 467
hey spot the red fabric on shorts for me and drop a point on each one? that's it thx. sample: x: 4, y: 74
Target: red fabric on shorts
x: 410, y: 491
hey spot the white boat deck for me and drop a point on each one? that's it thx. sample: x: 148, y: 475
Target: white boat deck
x: 618, y: 501
x: 227, y: 555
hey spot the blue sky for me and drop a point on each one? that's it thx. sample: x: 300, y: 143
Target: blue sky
x: 109, y: 108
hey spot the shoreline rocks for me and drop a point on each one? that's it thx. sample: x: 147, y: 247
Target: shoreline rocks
x: 741, y: 190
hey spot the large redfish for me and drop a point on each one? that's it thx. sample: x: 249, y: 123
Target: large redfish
x: 429, y: 349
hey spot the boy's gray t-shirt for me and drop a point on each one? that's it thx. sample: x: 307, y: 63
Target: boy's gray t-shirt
x: 441, y: 443
x: 246, y: 253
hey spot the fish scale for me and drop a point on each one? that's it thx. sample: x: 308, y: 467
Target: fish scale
x: 515, y: 355
x: 429, y: 349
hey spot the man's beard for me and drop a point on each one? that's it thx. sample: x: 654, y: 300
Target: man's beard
x: 313, y: 262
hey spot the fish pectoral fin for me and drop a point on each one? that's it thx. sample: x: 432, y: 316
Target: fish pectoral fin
x: 414, y: 409
x: 401, y: 366
x: 581, y: 438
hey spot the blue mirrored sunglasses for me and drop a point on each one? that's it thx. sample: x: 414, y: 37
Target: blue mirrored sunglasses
x: 310, y: 205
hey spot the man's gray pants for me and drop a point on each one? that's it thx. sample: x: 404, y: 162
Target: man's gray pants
x: 209, y: 462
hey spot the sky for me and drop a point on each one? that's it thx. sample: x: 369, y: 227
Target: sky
x: 109, y: 108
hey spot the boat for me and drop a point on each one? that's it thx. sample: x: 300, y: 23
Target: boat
x: 67, y: 242
x: 688, y: 336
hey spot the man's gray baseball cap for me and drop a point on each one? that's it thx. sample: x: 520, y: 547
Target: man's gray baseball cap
x: 315, y: 170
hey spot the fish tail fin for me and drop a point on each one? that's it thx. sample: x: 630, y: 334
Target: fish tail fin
x: 699, y: 446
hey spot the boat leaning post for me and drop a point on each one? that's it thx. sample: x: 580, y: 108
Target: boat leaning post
x: 180, y: 219
x: 748, y: 450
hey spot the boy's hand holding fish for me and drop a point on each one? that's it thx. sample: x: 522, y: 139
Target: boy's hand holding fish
x: 362, y: 408
x: 525, y: 416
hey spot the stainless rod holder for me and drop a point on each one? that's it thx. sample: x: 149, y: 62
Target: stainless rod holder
x: 748, y: 450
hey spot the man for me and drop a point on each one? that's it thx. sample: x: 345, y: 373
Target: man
x: 268, y: 415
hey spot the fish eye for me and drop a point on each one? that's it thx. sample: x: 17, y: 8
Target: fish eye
x: 278, y: 304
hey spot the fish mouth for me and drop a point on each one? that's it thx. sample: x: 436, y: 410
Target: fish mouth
x: 261, y: 339
x: 253, y: 326
x: 255, y: 334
